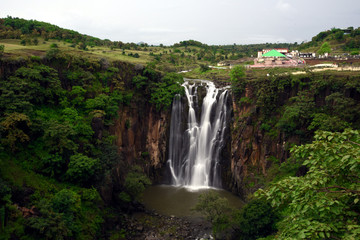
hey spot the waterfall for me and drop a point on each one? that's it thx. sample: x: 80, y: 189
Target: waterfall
x: 195, y: 144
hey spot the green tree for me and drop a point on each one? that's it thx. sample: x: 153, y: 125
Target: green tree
x: 49, y: 224
x: 325, y: 48
x: 216, y: 210
x: 339, y: 35
x: 136, y: 182
x: 298, y: 113
x: 164, y: 91
x: 15, y: 127
x: 325, y: 202
x: 59, y: 137
x: 30, y: 85
x: 140, y: 82
x: 66, y: 201
x: 238, y: 80
x: 256, y: 219
x: 82, y: 168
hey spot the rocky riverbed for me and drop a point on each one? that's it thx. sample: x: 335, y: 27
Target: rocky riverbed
x: 153, y: 226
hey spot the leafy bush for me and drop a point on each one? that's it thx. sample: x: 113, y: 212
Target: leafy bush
x: 140, y: 82
x: 66, y: 201
x: 322, y: 121
x: 216, y: 210
x: 256, y: 219
x: 81, y: 168
x: 49, y: 224
x: 325, y: 48
x: 135, y: 183
x: 298, y: 113
x: 163, y: 92
x: 238, y: 80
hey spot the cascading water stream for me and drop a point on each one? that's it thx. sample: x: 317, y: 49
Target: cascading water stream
x: 194, y: 147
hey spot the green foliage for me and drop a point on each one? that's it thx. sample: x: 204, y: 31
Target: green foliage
x: 322, y: 121
x: 256, y: 219
x: 135, y: 183
x: 204, y: 68
x: 82, y: 168
x: 14, y: 128
x: 59, y: 137
x: 298, y: 113
x: 34, y: 85
x: 345, y: 107
x: 163, y: 92
x: 124, y: 197
x: 140, y: 82
x: 5, y: 201
x: 339, y: 35
x: 325, y: 48
x: 2, y: 49
x: 49, y: 224
x: 265, y: 127
x: 238, y: 80
x: 66, y: 201
x: 312, y: 205
x: 216, y: 210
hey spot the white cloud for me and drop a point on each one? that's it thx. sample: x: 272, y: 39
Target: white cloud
x: 283, y: 5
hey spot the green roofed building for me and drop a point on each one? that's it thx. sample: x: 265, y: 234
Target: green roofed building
x: 273, y: 53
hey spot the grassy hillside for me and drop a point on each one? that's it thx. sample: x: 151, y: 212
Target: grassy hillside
x: 341, y: 41
x: 26, y: 37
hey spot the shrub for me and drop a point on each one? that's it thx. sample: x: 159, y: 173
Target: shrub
x: 81, y: 168
x: 135, y: 183
x: 237, y: 79
x: 66, y: 201
x: 162, y: 93
x: 216, y: 210
x: 256, y: 219
x: 49, y: 224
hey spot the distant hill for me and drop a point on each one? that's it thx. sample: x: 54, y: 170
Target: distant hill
x: 340, y: 40
x: 29, y: 30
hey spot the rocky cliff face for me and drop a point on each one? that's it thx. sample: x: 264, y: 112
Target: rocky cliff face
x: 252, y: 151
x: 141, y: 137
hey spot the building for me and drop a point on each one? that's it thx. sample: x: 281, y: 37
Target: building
x: 280, y: 50
x: 274, y: 58
x: 307, y: 55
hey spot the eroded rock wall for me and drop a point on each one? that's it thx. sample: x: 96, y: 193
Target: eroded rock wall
x: 141, y: 137
x: 252, y: 151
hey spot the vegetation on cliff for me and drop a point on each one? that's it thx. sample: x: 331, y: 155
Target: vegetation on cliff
x: 316, y: 184
x: 57, y: 147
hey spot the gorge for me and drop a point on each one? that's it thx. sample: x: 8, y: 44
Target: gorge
x: 83, y: 136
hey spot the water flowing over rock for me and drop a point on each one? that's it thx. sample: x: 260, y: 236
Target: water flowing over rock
x: 196, y: 140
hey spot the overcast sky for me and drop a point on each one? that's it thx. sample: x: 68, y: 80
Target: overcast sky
x: 207, y: 21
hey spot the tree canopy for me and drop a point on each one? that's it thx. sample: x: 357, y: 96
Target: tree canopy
x: 325, y: 202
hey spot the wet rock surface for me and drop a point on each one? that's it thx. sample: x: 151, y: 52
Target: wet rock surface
x: 153, y: 226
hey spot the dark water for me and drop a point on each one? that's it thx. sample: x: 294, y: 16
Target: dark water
x: 178, y: 201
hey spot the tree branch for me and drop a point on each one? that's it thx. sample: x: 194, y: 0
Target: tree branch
x: 353, y: 142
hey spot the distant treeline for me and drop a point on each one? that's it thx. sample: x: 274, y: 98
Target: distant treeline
x: 18, y: 28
